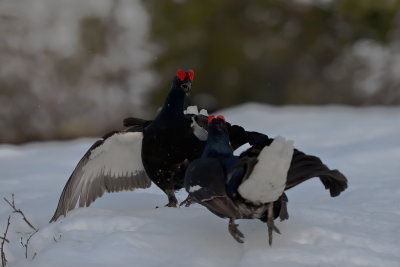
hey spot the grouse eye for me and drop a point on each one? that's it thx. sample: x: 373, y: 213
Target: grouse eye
x: 210, y: 118
x: 181, y: 74
x: 191, y: 75
x: 221, y: 117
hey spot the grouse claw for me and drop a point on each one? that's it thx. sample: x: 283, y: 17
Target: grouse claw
x: 171, y: 204
x: 234, y: 231
x: 283, y: 214
x: 187, y: 202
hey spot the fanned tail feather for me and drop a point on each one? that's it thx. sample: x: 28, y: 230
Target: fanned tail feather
x: 304, y: 167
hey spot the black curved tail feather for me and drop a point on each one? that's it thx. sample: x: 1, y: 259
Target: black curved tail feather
x: 304, y: 167
x: 129, y: 122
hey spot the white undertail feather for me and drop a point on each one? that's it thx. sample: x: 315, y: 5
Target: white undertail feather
x: 191, y: 110
x: 198, y: 131
x: 195, y: 111
x: 204, y: 112
x: 267, y: 181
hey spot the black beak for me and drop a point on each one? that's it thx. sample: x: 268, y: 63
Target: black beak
x: 186, y: 87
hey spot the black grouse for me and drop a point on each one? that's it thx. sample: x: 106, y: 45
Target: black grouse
x: 252, y: 185
x: 158, y: 151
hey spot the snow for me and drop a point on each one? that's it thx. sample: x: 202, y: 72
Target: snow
x: 268, y: 178
x: 361, y: 227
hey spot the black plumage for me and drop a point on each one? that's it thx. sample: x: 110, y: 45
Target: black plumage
x: 169, y: 143
x: 214, y: 180
x: 171, y: 140
x: 156, y: 150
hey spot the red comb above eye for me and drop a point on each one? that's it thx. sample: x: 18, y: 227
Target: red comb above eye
x: 181, y: 74
x: 210, y: 118
x: 221, y: 117
x: 191, y: 75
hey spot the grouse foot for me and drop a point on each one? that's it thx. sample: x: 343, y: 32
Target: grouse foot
x: 236, y: 234
x: 270, y: 223
x: 187, y: 202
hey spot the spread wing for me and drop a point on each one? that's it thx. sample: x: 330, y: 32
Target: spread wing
x: 112, y: 164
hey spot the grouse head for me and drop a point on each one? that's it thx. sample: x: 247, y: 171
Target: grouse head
x: 183, y: 81
x: 218, y: 138
x: 217, y: 125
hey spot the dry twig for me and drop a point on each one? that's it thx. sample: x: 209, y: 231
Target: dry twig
x: 27, y: 243
x: 12, y: 204
x: 3, y: 255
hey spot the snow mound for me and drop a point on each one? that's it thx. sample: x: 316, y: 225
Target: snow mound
x: 358, y: 228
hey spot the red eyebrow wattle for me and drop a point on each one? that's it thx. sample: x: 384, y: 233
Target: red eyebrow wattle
x: 221, y: 117
x: 181, y: 74
x: 210, y: 118
x: 191, y: 75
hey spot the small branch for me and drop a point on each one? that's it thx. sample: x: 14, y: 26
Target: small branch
x: 12, y: 204
x: 5, y: 239
x: 27, y: 243
x: 3, y: 255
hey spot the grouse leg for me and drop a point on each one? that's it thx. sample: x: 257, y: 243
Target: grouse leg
x: 172, y: 201
x: 283, y: 214
x: 236, y: 234
x: 270, y: 223
x: 187, y: 202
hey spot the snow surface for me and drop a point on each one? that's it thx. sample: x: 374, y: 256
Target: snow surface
x: 361, y: 227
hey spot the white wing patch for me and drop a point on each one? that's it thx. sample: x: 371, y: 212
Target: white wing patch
x: 119, y: 155
x: 267, y: 181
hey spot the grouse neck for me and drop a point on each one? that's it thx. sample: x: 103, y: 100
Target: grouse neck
x: 173, y: 105
x: 217, y: 146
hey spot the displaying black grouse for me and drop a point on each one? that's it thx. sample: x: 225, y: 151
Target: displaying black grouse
x: 252, y: 185
x: 158, y: 151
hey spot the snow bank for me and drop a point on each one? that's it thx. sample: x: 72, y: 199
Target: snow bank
x: 361, y: 227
